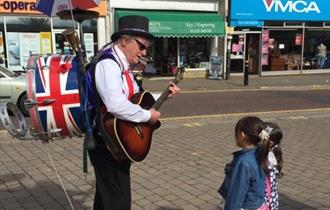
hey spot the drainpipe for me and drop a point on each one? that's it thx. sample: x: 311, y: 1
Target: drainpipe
x: 108, y: 23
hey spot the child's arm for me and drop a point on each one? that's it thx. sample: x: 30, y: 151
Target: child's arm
x: 238, y: 187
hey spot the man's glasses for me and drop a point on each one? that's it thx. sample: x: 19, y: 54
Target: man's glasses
x: 141, y: 45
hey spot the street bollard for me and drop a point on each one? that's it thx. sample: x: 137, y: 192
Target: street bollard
x: 246, y: 73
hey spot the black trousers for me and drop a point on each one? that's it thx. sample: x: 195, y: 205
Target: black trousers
x: 113, y: 186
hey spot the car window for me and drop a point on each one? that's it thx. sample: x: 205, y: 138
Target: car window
x: 7, y: 72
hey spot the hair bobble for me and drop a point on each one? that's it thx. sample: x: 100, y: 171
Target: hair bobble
x: 275, y: 146
x: 263, y: 135
x: 269, y: 130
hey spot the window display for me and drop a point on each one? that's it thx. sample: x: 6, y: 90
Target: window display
x: 317, y: 49
x: 284, y: 51
x: 194, y: 52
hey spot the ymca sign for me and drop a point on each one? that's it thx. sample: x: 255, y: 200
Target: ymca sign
x: 291, y: 6
x: 296, y: 10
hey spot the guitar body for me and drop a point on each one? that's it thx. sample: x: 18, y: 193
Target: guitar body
x: 129, y: 141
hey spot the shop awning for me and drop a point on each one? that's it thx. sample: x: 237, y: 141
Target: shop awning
x: 179, y: 24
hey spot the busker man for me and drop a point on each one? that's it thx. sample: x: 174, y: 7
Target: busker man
x: 115, y: 84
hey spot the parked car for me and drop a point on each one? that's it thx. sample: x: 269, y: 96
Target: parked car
x: 13, y: 88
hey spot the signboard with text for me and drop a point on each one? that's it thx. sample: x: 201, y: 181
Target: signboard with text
x: 29, y: 7
x: 29, y: 45
x: 215, y: 71
x: 296, y: 10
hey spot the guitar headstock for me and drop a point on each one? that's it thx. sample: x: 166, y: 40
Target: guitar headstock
x: 179, y: 73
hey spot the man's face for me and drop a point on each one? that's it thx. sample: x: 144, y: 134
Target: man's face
x: 136, y: 47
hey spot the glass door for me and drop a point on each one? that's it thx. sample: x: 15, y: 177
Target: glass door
x: 252, y: 55
x: 237, y: 55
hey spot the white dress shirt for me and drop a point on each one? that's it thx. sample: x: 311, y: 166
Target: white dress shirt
x: 112, y: 87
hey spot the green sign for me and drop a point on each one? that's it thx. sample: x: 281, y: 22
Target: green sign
x: 179, y: 24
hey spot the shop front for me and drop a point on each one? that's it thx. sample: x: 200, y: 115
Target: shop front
x: 182, y: 38
x: 291, y: 37
x: 25, y: 31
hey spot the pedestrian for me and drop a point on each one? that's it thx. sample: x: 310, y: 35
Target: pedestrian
x: 273, y: 165
x: 244, y: 183
x: 321, y: 55
x: 115, y: 85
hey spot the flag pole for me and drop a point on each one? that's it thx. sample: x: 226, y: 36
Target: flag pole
x: 71, y: 8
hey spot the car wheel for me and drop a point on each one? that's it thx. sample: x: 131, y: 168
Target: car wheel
x: 21, y: 105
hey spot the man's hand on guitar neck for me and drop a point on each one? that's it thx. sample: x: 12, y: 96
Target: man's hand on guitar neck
x: 155, y: 115
x: 173, y: 90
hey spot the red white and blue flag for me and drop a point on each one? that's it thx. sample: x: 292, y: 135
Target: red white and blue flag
x: 57, y: 95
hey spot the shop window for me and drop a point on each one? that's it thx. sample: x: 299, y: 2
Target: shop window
x: 284, y: 51
x: 293, y: 23
x: 89, y: 28
x: 317, y: 56
x: 171, y: 52
x: 63, y: 24
x: 314, y: 24
x: 194, y: 52
x: 26, y: 36
x: 237, y: 53
x: 27, y: 24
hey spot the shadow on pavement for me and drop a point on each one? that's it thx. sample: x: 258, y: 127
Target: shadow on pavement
x: 29, y: 193
x: 287, y: 203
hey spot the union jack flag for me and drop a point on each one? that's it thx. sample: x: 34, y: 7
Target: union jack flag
x: 56, y: 94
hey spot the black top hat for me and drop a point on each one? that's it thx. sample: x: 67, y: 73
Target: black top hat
x: 133, y: 25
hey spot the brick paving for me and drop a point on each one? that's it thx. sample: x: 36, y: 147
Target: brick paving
x: 183, y: 169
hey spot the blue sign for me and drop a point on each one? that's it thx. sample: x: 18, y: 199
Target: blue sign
x: 297, y: 10
x: 255, y: 23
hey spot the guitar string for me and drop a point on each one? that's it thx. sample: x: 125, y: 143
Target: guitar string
x: 58, y: 176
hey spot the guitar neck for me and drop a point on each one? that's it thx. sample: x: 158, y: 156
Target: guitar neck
x: 163, y: 96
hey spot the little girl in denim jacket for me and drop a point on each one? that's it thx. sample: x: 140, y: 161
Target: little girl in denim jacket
x: 244, y: 184
x: 273, y: 165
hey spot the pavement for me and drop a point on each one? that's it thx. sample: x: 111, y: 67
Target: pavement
x: 185, y: 165
x: 237, y: 82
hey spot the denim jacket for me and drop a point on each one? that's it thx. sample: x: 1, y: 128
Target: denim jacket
x: 244, y: 184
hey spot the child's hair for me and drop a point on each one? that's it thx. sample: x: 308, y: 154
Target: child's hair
x: 273, y: 143
x: 251, y: 126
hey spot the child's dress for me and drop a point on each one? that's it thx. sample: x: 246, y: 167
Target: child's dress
x: 271, y: 192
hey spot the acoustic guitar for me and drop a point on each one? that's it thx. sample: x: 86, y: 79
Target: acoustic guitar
x: 130, y: 141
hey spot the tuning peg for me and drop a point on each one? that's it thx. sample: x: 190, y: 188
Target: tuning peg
x: 29, y: 103
x: 48, y: 101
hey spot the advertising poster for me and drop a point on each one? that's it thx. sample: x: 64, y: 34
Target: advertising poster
x: 30, y: 44
x: 45, y: 43
x: 265, y: 36
x: 89, y: 44
x: 2, y: 50
x: 298, y: 39
x: 265, y: 47
x: 13, y: 50
x: 265, y: 42
x: 235, y: 48
x: 264, y: 59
